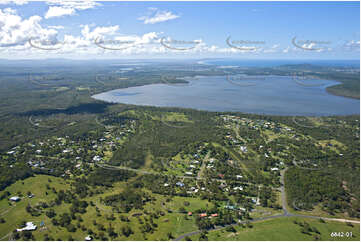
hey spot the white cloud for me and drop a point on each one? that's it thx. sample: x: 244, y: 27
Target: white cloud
x: 286, y: 50
x: 273, y: 49
x: 55, y: 27
x: 15, y: 31
x: 158, y: 16
x: 98, y: 32
x: 78, y: 5
x: 352, y: 45
x: 55, y: 11
x: 10, y: 11
x: 16, y: 2
x: 62, y: 8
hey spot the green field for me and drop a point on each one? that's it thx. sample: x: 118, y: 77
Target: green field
x: 285, y: 229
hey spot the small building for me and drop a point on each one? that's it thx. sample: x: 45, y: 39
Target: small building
x: 238, y: 188
x: 97, y: 158
x: 239, y: 176
x: 214, y: 215
x: 243, y: 149
x: 180, y: 184
x: 230, y: 207
x: 274, y: 169
x: 166, y: 184
x: 202, y: 215
x: 189, y: 213
x: 221, y: 176
x: 88, y: 238
x: 189, y: 173
x: 29, y: 226
x: 15, y: 199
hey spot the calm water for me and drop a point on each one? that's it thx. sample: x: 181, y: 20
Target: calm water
x: 273, y: 63
x: 262, y: 95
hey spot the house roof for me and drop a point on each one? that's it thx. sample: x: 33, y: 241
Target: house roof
x: 29, y: 226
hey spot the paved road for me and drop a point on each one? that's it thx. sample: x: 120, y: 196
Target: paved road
x: 286, y: 213
x: 110, y: 167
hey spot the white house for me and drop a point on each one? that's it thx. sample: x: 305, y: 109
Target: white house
x: 29, y: 227
x: 239, y: 176
x: 243, y: 148
x: 238, y: 188
x: 15, y: 199
x: 274, y: 169
x: 88, y: 238
x: 97, y: 158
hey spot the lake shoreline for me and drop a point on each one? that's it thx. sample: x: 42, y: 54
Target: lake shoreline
x: 118, y: 95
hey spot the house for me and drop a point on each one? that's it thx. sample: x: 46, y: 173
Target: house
x: 243, y: 148
x: 192, y: 166
x: 239, y: 176
x: 229, y: 207
x: 15, y: 199
x: 214, y: 215
x: 274, y: 169
x: 189, y: 213
x: 221, y: 176
x: 97, y: 158
x: 88, y: 238
x: 29, y: 227
x: 189, y: 173
x: 238, y: 188
x: 180, y: 184
x: 202, y: 215
x: 38, y: 151
x: 166, y: 184
x: 11, y: 152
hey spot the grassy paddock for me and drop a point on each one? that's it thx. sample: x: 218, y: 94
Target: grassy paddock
x: 285, y: 229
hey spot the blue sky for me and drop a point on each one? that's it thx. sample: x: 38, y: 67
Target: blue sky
x: 264, y: 30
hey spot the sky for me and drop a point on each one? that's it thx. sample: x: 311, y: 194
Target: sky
x: 122, y: 30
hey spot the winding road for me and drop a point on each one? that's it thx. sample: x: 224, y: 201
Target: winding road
x: 286, y: 213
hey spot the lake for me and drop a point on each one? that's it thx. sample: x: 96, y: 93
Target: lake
x: 277, y: 95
